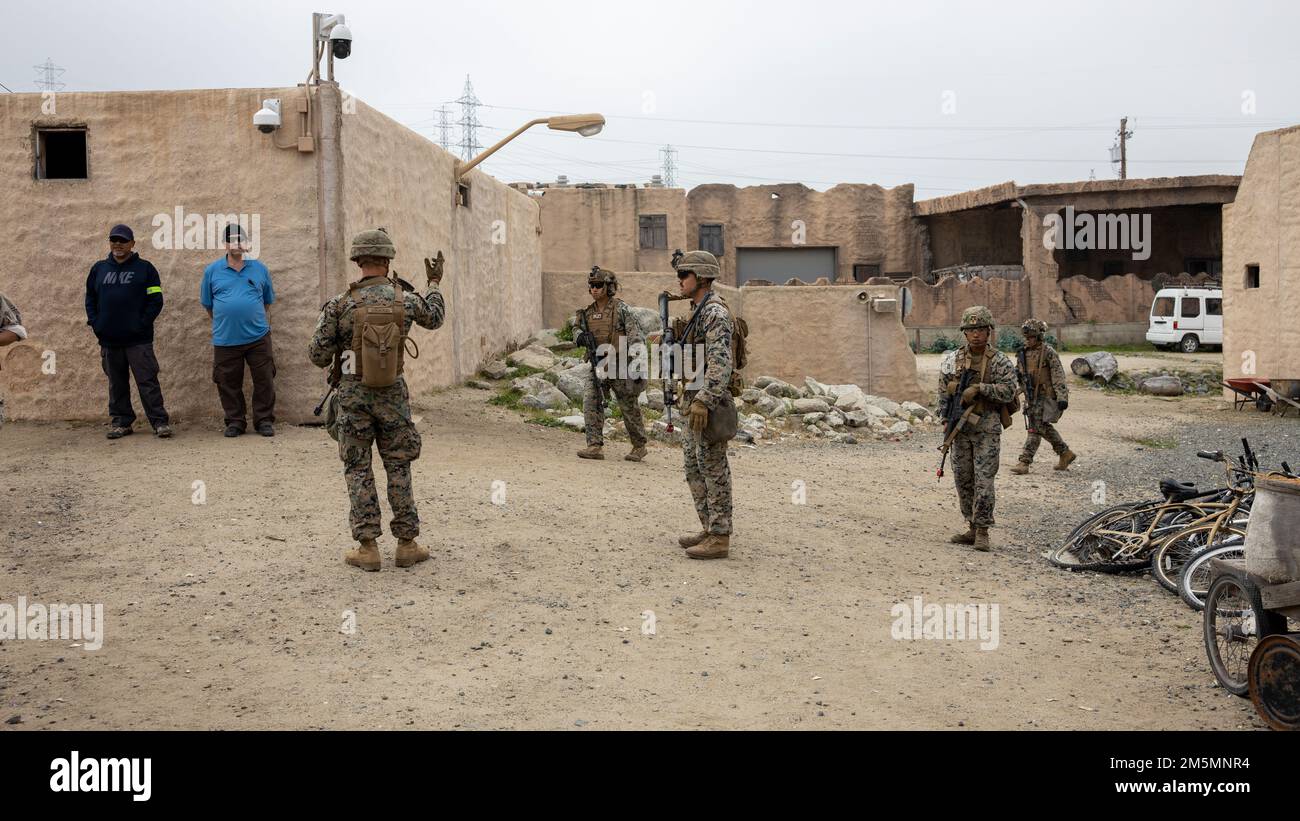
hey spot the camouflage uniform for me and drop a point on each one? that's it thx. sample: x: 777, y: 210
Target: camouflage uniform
x: 626, y: 391
x: 975, y: 450
x: 1042, y: 367
x: 707, y: 471
x: 10, y: 320
x: 375, y: 415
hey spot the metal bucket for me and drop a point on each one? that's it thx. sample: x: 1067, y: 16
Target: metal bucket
x: 1273, y: 538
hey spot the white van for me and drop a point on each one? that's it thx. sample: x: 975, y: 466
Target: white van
x: 1186, y: 318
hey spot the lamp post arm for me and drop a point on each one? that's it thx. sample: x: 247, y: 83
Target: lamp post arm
x: 462, y: 168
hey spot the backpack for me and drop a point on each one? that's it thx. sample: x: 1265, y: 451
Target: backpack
x: 739, y: 352
x: 379, y: 339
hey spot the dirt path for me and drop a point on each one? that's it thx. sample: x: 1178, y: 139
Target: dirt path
x: 228, y: 614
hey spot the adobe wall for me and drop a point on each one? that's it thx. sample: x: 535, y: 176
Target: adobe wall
x: 828, y: 333
x: 582, y: 227
x: 941, y: 305
x: 395, y: 178
x: 150, y: 153
x: 1262, y: 227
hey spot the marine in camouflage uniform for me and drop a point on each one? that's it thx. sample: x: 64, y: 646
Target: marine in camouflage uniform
x: 610, y: 320
x: 11, y: 331
x: 707, y: 473
x: 370, y: 415
x: 1047, y: 395
x: 976, y: 448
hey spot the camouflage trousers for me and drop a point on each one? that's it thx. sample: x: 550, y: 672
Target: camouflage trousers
x: 379, y: 416
x: 1038, y: 431
x: 974, y: 466
x: 709, y: 477
x: 625, y: 392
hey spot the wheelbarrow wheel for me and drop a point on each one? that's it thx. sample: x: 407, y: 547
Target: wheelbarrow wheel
x: 1275, y: 681
x: 1233, y: 622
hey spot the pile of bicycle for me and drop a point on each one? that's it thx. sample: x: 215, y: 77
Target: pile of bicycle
x: 1176, y: 536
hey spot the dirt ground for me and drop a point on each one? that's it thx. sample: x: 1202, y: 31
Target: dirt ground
x: 532, y: 613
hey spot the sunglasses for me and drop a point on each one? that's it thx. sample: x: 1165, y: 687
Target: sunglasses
x: 684, y: 274
x: 596, y: 286
x: 119, y: 241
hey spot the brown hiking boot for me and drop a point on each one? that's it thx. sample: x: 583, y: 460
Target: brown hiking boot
x: 409, y: 553
x: 591, y: 452
x: 638, y: 453
x: 964, y: 538
x: 1021, y: 468
x: 693, y: 539
x: 713, y: 547
x: 364, y: 556
x: 1066, y: 459
x: 982, y: 539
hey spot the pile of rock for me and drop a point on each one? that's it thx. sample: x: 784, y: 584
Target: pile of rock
x: 1168, y: 382
x: 836, y: 412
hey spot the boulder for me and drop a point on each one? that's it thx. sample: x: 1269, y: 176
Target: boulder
x: 899, y: 428
x: 577, y: 422
x: 659, y: 430
x: 850, y: 400
x: 1162, y: 386
x: 917, y: 411
x: 544, y: 398
x: 813, y: 388
x: 533, y: 356
x: 763, y: 381
x: 813, y: 418
x: 530, y: 384
x: 750, y: 395
x: 648, y: 319
x: 857, y: 419
x: 548, y: 338
x: 1100, y: 365
x: 811, y: 406
x: 653, y: 399
x: 574, y: 381
x: 889, y: 406
x: 785, y: 390
x: 478, y: 385
x: 770, y: 406
x: 836, y: 418
x: 876, y: 412
x: 496, y: 369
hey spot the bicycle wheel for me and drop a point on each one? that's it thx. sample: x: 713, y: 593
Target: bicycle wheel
x: 1194, y: 579
x: 1122, y: 541
x: 1168, y: 559
x: 1233, y: 622
x: 1101, y: 514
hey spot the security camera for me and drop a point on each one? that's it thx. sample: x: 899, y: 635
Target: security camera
x: 341, y: 41
x: 268, y: 118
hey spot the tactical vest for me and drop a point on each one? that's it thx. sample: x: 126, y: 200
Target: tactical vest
x: 602, y: 323
x: 1040, y: 373
x: 378, y: 335
x: 983, y: 404
x: 692, y: 333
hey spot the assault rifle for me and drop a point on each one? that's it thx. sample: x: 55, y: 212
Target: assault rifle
x: 954, y: 417
x: 667, y: 359
x: 1027, y: 386
x: 586, y: 339
x: 336, y: 374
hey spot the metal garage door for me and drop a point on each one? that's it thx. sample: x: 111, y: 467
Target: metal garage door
x: 776, y: 265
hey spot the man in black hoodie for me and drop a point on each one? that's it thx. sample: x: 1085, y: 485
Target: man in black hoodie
x: 123, y: 298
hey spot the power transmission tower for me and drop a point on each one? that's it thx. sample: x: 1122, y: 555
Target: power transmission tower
x: 469, y: 124
x: 48, y: 76
x: 669, y: 155
x: 444, y: 128
x: 1119, y: 151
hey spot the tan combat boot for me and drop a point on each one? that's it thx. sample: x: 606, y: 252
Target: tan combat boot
x: 693, y: 539
x: 982, y: 539
x: 1021, y: 468
x: 364, y: 556
x: 409, y: 553
x: 591, y: 452
x: 1066, y: 459
x: 713, y: 547
x: 964, y: 538
x: 638, y: 453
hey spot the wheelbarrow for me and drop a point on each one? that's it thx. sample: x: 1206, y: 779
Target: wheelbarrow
x: 1249, y: 390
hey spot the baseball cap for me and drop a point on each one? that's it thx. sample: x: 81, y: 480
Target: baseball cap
x: 122, y: 232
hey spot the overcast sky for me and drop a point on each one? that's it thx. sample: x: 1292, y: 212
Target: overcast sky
x: 947, y: 95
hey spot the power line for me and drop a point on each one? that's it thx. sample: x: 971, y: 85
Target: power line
x: 6, y: 88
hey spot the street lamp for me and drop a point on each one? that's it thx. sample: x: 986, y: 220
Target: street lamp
x: 588, y: 125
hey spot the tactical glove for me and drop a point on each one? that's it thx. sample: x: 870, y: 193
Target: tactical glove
x: 969, y: 395
x: 1062, y: 404
x: 699, y: 416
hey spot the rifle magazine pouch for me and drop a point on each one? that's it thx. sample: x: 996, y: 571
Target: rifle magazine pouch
x: 723, y: 419
x: 332, y: 416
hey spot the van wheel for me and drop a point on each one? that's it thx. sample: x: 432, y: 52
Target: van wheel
x: 1190, y: 344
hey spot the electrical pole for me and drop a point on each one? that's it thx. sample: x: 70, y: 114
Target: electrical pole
x: 469, y: 144
x: 1124, y: 134
x: 669, y: 155
x: 48, y: 79
x: 444, y: 128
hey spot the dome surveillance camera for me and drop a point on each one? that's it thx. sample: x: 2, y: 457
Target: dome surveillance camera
x: 341, y: 41
x: 268, y: 118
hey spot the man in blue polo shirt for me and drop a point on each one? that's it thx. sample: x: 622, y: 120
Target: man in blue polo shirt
x: 237, y: 294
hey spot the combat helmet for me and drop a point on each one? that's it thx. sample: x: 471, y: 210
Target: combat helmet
x: 600, y: 275
x: 701, y: 263
x: 1036, y: 327
x: 372, y: 243
x: 976, y: 316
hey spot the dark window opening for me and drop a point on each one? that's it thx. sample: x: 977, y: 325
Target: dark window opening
x: 61, y: 154
x: 1213, y: 307
x: 1252, y: 276
x: 1164, y: 306
x: 862, y: 273
x: 462, y: 194
x: 1112, y: 268
x: 654, y: 231
x: 1191, y: 307
x: 1198, y: 265
x: 711, y: 239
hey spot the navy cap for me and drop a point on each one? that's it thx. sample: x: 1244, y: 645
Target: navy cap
x: 235, y: 230
x: 122, y: 231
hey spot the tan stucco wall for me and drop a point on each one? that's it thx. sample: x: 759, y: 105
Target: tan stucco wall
x: 1262, y: 227
x: 827, y: 333
x: 149, y: 152
x: 582, y: 227
x: 397, y: 179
